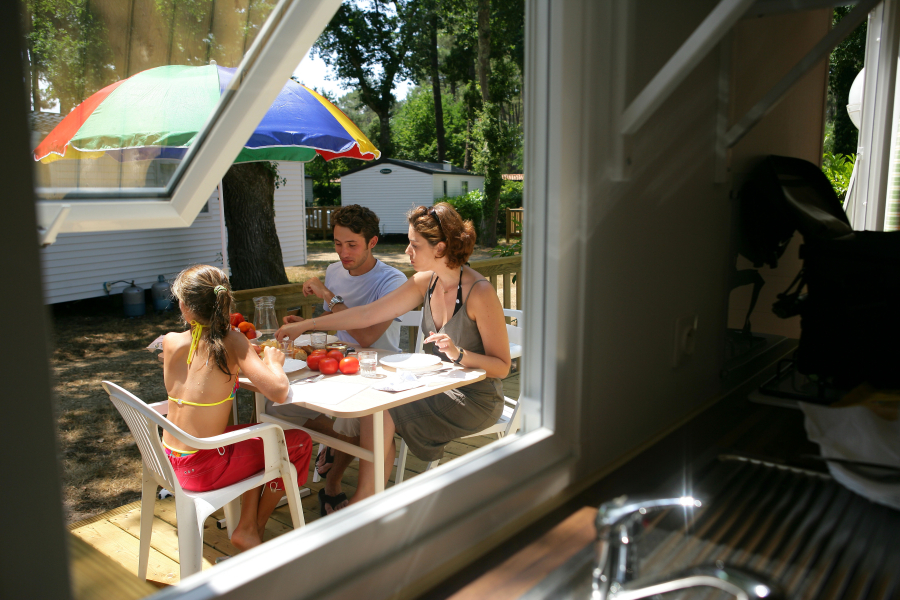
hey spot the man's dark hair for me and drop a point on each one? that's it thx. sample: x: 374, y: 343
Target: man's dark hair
x: 357, y: 219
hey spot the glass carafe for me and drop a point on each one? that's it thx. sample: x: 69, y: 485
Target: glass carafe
x: 264, y: 317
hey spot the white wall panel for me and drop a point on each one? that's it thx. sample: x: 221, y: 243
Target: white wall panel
x: 290, y: 213
x: 78, y: 264
x: 389, y: 196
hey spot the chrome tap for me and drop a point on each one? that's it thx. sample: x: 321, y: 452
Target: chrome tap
x: 615, y: 576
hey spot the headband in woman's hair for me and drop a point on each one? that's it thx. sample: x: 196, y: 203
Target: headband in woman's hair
x: 219, y: 288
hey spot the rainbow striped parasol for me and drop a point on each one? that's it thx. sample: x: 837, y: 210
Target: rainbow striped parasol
x: 159, y: 112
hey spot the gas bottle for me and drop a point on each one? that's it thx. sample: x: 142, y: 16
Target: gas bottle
x: 133, y: 299
x: 161, y: 292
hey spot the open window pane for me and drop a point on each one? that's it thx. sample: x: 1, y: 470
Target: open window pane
x: 146, y: 77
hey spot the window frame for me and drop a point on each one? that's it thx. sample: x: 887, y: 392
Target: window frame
x: 290, y: 31
x: 496, y: 489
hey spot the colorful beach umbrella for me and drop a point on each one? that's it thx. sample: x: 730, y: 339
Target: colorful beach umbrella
x: 159, y: 112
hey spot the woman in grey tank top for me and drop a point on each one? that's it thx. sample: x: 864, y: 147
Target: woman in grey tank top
x: 463, y: 323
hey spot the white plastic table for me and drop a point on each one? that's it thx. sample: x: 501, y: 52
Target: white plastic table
x: 368, y: 402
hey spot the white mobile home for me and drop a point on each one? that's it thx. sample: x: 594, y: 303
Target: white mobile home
x: 77, y: 264
x: 390, y: 187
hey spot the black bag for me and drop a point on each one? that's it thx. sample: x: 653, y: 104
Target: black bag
x: 850, y: 321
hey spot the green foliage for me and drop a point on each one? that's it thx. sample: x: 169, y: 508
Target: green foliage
x: 68, y: 50
x: 367, y: 46
x: 326, y: 176
x: 838, y: 168
x: 508, y: 250
x: 272, y: 167
x: 494, y: 139
x: 469, y: 206
x: 413, y: 127
x: 844, y: 65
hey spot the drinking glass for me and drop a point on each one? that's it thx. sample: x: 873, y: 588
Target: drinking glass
x: 264, y: 320
x: 317, y: 339
x: 368, y: 360
x: 286, y: 346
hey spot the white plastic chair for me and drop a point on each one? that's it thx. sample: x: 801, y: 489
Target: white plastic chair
x: 192, y: 508
x: 413, y: 319
x: 514, y: 332
x: 508, y: 424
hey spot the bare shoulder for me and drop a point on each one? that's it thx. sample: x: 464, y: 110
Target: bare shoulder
x: 481, y: 294
x: 175, y: 339
x: 235, y: 340
x: 422, y: 280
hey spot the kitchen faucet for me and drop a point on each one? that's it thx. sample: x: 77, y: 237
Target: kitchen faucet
x: 619, y: 522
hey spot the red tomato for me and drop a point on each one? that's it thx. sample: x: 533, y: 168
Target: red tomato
x: 336, y: 355
x: 236, y: 319
x: 349, y: 365
x: 312, y: 361
x: 328, y: 366
x: 319, y: 352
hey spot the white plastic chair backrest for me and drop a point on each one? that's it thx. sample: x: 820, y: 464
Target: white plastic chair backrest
x: 144, y: 421
x: 514, y: 332
x: 515, y: 418
x: 413, y: 319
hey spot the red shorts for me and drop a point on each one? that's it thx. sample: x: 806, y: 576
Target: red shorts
x: 209, y: 470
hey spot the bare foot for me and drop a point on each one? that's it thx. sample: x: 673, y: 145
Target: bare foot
x: 244, y: 538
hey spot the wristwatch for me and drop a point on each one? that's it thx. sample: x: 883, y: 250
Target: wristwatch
x: 335, y: 300
x: 459, y: 358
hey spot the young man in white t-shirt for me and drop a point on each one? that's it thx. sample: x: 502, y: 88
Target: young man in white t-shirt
x: 358, y: 279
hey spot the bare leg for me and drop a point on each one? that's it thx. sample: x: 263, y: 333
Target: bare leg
x: 267, y: 504
x: 366, y: 486
x: 342, y: 460
x: 246, y: 534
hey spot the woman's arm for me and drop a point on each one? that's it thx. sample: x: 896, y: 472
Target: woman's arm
x: 405, y: 298
x: 266, y: 373
x: 485, y: 309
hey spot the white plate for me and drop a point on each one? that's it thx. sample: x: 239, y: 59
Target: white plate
x: 303, y: 340
x: 293, y: 364
x: 412, y: 362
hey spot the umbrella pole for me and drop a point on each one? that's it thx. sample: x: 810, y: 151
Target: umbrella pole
x: 223, y: 231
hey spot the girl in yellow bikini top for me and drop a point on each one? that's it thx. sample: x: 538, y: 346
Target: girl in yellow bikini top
x: 196, y: 332
x: 205, y: 301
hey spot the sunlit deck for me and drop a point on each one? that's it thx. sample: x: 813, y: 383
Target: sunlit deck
x: 116, y: 533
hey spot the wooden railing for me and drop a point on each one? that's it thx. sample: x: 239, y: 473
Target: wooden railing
x: 513, y: 223
x: 318, y: 220
x: 289, y: 298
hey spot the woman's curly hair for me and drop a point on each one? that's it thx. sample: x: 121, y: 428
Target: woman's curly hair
x: 441, y: 223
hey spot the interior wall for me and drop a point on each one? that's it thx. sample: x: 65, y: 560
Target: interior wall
x: 794, y: 128
x: 656, y: 247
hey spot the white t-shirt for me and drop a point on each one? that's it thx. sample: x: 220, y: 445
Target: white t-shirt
x: 359, y: 290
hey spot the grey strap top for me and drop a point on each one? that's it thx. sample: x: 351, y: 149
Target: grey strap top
x: 461, y: 329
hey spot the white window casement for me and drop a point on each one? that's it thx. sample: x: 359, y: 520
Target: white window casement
x: 424, y: 527
x: 409, y: 534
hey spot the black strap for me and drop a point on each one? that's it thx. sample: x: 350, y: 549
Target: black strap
x: 458, y: 291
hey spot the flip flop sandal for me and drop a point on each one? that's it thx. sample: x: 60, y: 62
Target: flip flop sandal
x: 329, y: 460
x: 330, y: 501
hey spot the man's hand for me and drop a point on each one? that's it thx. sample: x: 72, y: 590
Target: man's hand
x: 314, y: 285
x: 292, y: 319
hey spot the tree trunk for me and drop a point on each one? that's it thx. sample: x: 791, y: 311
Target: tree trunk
x: 484, y: 48
x: 467, y: 159
x: 384, y: 134
x: 254, y: 252
x: 493, y: 183
x: 436, y: 90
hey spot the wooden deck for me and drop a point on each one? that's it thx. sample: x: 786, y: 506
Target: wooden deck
x: 116, y: 533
